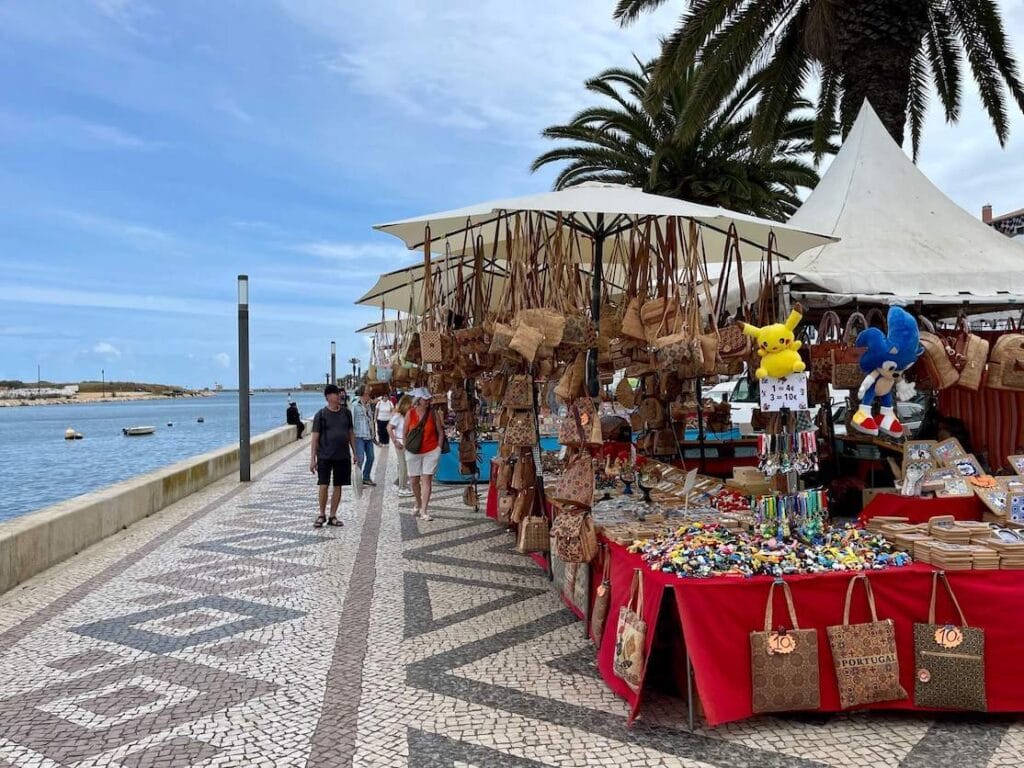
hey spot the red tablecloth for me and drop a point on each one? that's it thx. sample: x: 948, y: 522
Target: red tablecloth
x: 718, y: 615
x: 920, y: 510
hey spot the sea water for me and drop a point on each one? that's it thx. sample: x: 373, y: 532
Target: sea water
x: 38, y: 467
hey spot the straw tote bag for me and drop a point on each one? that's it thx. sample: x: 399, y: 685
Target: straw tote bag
x: 829, y: 339
x: 934, y: 369
x: 734, y: 345
x: 521, y: 431
x: 784, y: 663
x: 949, y: 660
x: 631, y: 636
x: 519, y: 394
x: 971, y: 354
x: 864, y: 655
x: 1006, y: 362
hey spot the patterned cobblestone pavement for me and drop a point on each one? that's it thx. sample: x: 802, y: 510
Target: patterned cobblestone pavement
x: 226, y: 631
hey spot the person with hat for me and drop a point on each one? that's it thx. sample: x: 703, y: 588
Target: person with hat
x: 292, y: 416
x: 333, y: 444
x: 424, y: 434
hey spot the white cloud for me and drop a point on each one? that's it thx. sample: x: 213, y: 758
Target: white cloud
x: 73, y: 132
x: 344, y: 251
x: 106, y: 350
x: 222, y: 359
x: 229, y: 107
x: 118, y: 229
x: 485, y: 65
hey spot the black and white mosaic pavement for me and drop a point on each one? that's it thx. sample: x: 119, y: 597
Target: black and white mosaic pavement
x: 226, y: 631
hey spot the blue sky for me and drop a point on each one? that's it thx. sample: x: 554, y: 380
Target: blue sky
x: 150, y: 151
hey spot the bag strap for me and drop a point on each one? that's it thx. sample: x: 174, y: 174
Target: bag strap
x: 606, y: 575
x: 848, y: 337
x: 789, y: 605
x: 849, y: 596
x: 636, y: 592
x: 830, y: 327
x: 956, y: 604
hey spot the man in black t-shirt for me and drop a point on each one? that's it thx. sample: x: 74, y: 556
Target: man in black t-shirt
x: 331, y: 452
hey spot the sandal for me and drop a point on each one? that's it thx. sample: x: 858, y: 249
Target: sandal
x: 319, y: 522
x: 334, y: 522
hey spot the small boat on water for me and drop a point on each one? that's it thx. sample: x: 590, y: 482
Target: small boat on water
x: 134, y: 431
x: 70, y: 434
x: 200, y: 420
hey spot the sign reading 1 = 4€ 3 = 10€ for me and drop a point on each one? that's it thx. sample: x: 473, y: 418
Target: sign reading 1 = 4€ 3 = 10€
x: 787, y: 392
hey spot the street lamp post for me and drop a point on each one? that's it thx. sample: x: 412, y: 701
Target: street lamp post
x: 334, y: 357
x: 243, y: 378
x: 103, y: 383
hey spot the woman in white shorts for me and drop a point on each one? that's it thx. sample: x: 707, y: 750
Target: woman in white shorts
x: 396, y: 431
x: 424, y: 432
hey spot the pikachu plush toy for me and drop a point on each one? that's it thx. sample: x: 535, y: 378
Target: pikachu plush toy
x: 777, y: 346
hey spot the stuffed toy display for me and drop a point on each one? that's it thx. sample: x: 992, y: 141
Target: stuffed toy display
x: 777, y: 346
x: 885, y: 359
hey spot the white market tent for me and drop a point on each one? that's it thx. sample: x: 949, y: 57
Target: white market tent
x: 902, y: 240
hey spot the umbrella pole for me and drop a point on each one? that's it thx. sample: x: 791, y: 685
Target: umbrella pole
x: 593, y: 384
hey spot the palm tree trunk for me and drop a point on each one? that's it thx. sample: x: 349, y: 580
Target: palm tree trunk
x: 876, y: 41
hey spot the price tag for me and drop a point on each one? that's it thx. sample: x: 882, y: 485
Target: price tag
x: 787, y: 392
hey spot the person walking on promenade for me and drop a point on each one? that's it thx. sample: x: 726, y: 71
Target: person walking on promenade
x: 333, y: 444
x: 385, y: 410
x: 424, y: 433
x: 363, y: 425
x: 292, y: 416
x: 396, y: 430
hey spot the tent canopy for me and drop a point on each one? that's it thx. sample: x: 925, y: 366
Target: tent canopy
x: 902, y: 240
x: 594, y: 210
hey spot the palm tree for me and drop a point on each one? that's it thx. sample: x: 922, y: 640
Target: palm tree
x: 626, y: 143
x: 353, y: 361
x: 889, y: 52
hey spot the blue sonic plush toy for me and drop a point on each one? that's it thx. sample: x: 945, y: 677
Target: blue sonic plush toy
x: 884, y: 361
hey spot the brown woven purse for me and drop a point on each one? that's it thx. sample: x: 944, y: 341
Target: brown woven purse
x: 784, y: 663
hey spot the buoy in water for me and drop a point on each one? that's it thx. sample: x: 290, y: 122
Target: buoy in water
x: 169, y: 424
x: 70, y: 434
x: 200, y: 420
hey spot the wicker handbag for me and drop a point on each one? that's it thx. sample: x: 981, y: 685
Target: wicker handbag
x: 572, y: 381
x: 470, y: 497
x: 519, y: 394
x: 468, y: 452
x: 575, y: 487
x: 579, y: 332
x: 574, y: 535
x: 431, y: 347
x: 521, y: 431
x: 505, y: 504
x: 501, y: 337
x: 534, y: 535
x: 949, y: 660
x: 461, y: 400
x: 864, y: 655
x: 784, y: 663
x: 549, y: 322
x: 624, y: 393
x: 465, y: 421
x: 474, y: 340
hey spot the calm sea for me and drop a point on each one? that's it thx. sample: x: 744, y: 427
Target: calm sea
x: 38, y: 467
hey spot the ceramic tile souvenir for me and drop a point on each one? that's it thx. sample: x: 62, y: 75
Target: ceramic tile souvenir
x: 967, y: 465
x: 1017, y: 462
x: 918, y: 450
x: 953, y: 483
x: 994, y: 499
x: 1015, y: 507
x: 948, y: 450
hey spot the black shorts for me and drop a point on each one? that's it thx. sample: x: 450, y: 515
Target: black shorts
x: 340, y: 468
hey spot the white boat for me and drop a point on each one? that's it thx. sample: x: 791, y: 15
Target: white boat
x: 70, y: 434
x: 133, y: 431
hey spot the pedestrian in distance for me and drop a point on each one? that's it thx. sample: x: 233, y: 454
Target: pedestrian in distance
x: 385, y: 409
x: 396, y: 430
x: 292, y: 416
x: 333, y: 445
x: 424, y: 433
x: 363, y: 422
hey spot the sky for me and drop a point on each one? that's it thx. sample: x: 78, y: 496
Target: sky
x: 150, y: 152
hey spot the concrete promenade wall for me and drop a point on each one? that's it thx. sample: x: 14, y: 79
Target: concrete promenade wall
x: 32, y: 543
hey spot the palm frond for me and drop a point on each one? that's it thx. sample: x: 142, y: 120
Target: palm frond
x: 917, y: 99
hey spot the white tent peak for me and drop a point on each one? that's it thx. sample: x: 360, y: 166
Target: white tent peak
x: 900, y: 236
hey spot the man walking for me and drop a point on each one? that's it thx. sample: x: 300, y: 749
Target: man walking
x: 333, y: 444
x: 363, y: 425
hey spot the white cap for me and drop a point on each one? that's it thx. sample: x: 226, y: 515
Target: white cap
x: 421, y: 393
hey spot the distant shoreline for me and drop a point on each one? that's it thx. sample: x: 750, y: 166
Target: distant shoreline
x: 84, y: 398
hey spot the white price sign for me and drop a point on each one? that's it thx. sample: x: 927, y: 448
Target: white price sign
x: 787, y: 392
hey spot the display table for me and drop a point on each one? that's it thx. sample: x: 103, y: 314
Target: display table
x: 921, y: 510
x: 717, y: 616
x: 448, y: 470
